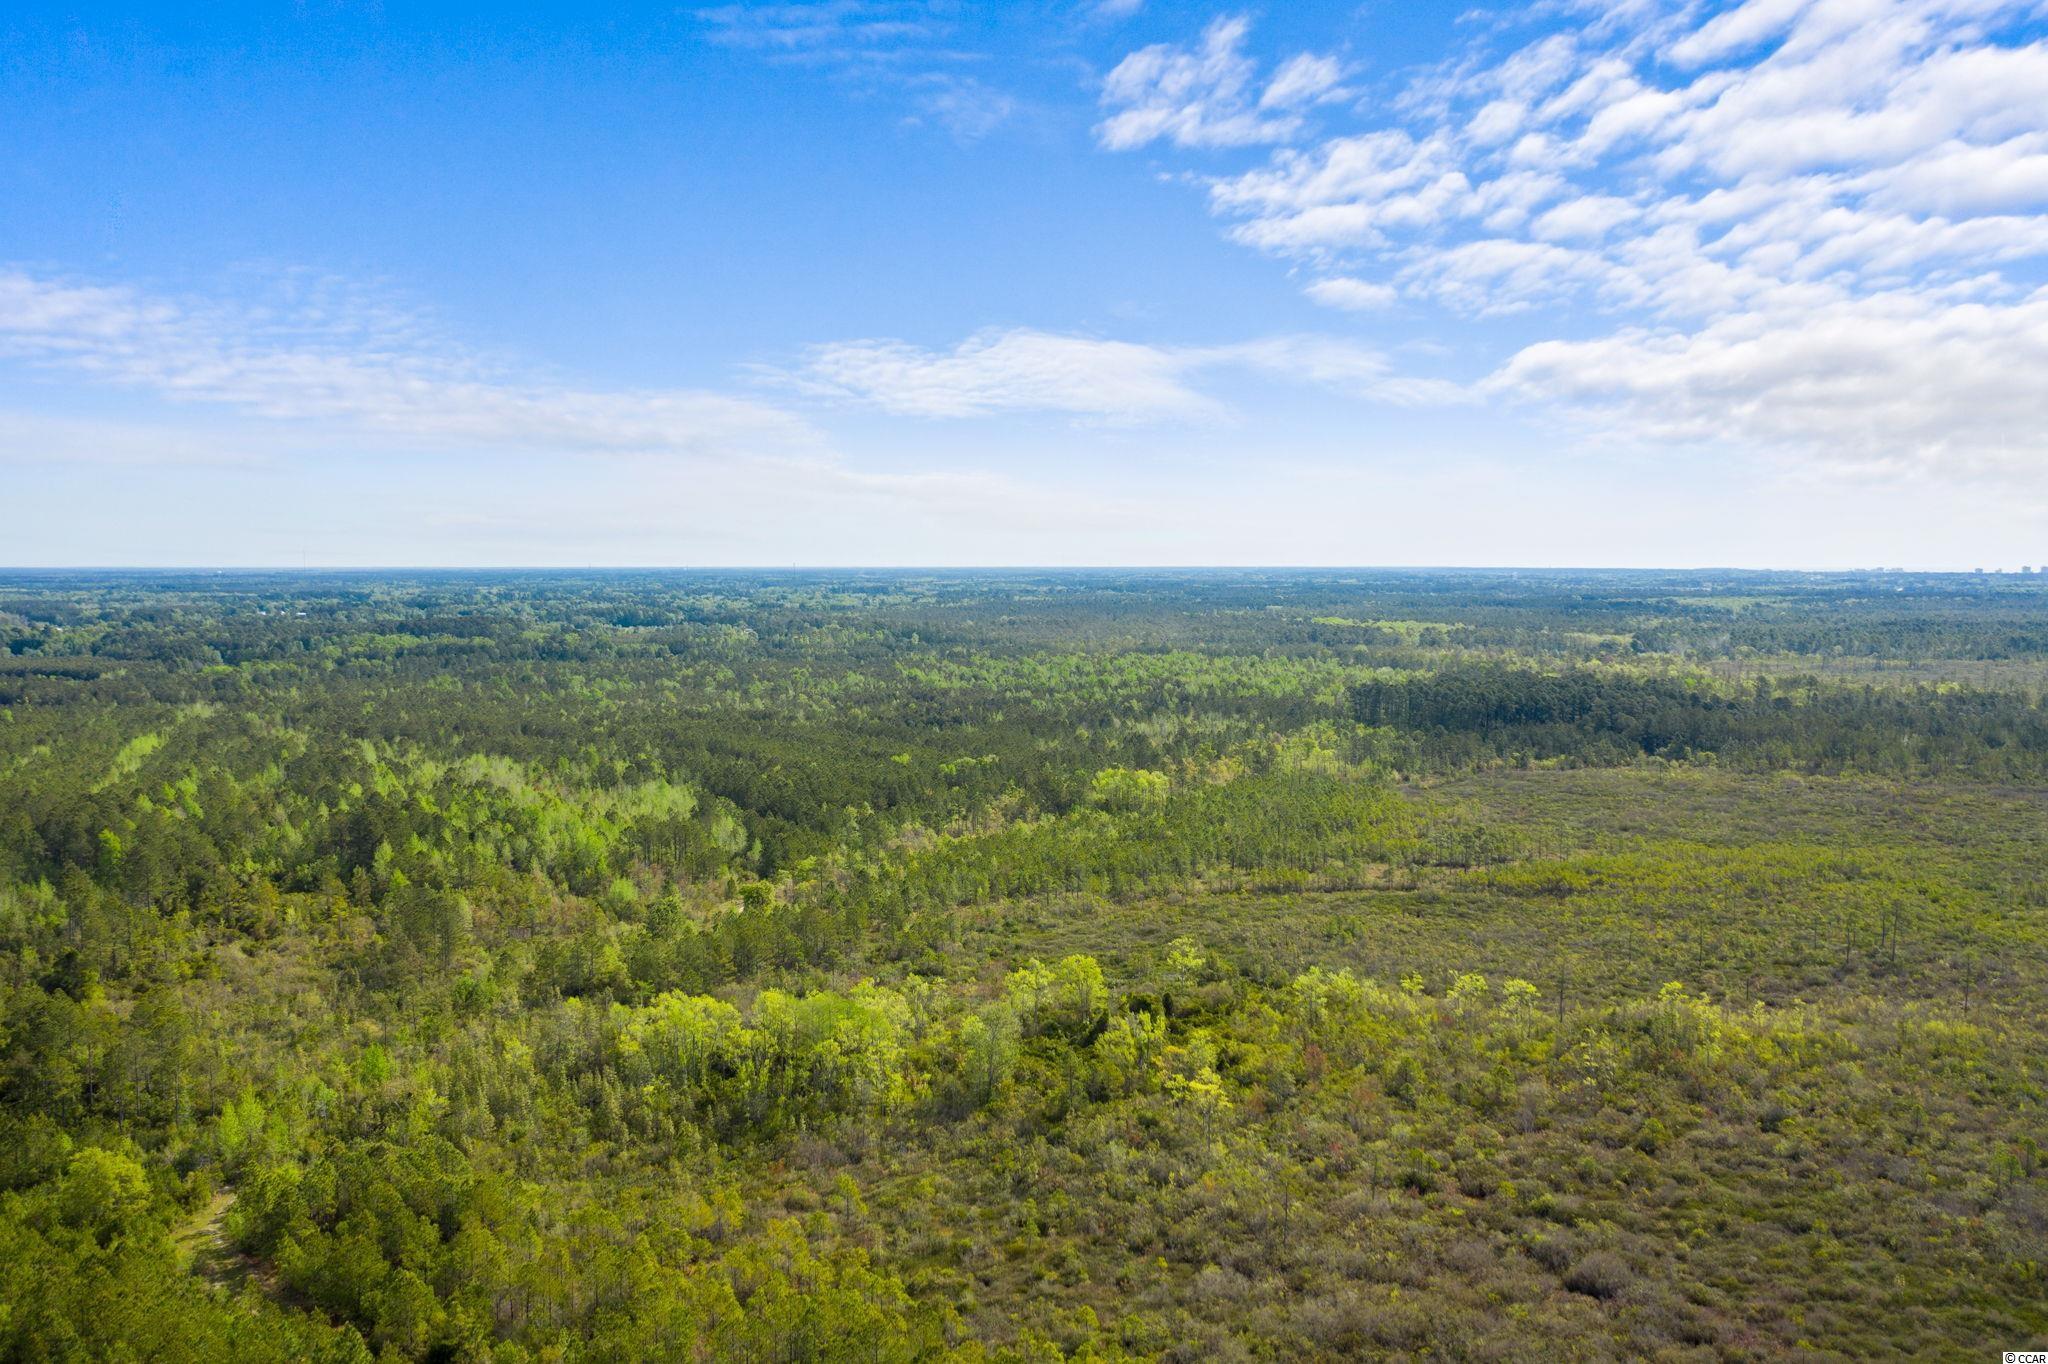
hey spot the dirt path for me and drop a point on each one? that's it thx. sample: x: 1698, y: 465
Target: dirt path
x: 202, y: 1242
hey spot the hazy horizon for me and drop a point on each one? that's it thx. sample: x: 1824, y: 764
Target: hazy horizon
x: 223, y: 568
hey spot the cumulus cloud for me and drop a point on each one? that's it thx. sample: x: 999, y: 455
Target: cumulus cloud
x: 1960, y: 178
x: 1588, y: 216
x: 1902, y: 381
x: 1736, y: 28
x: 1814, y: 226
x: 1305, y: 78
x: 1349, y: 192
x: 1356, y: 295
x: 1208, y: 96
x: 1501, y: 275
x: 369, y: 367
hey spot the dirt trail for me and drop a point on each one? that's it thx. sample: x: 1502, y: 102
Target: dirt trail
x: 202, y: 1240
x: 203, y: 1228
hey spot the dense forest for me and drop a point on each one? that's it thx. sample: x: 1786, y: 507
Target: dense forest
x: 1024, y: 966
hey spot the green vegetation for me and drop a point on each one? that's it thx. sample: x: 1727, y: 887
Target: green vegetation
x: 1022, y: 967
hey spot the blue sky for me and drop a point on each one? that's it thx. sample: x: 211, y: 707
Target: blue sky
x: 1078, y: 281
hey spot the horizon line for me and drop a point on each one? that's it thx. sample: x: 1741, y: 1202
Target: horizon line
x: 223, y: 569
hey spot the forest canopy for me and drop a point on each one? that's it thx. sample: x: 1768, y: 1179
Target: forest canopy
x: 1021, y: 966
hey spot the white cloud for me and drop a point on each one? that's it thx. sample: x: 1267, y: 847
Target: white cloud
x: 1901, y: 381
x: 1010, y: 371
x: 1589, y: 216
x: 1305, y: 78
x: 1497, y: 122
x: 1959, y: 178
x: 965, y: 107
x: 1089, y: 377
x: 1505, y: 202
x: 1327, y: 361
x: 1879, y: 97
x: 1740, y: 27
x: 907, y: 50
x: 1202, y: 97
x: 1350, y: 191
x: 366, y: 367
x: 1356, y: 295
x: 1501, y: 275
x: 826, y: 31
x: 1535, y: 70
x: 1824, y: 221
